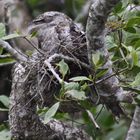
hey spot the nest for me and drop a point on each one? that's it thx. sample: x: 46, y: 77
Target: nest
x: 75, y: 56
x: 60, y: 38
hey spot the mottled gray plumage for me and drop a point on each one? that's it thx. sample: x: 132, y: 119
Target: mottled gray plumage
x: 56, y: 33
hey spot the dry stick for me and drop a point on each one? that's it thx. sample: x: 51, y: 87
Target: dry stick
x: 51, y: 58
x: 54, y: 56
x: 99, y: 112
x: 47, y: 63
x: 92, y: 119
x: 74, y: 49
x: 33, y: 45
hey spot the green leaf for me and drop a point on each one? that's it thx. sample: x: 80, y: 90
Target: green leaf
x: 4, y: 100
x: 80, y: 78
x: 51, y: 112
x: 101, y: 73
x: 135, y: 57
x: 84, y: 86
x: 137, y: 99
x: 133, y: 21
x: 6, y: 60
x: 42, y: 110
x: 11, y: 36
x: 137, y: 43
x: 118, y: 8
x: 5, y: 135
x: 33, y: 3
x: 34, y: 34
x: 79, y: 95
x: 131, y: 39
x: 110, y: 42
x: 96, y: 58
x: 130, y: 49
x: 136, y: 82
x: 130, y: 29
x: 63, y: 67
x: 2, y: 30
x: 4, y: 109
x: 1, y: 50
x: 117, y: 132
x: 72, y: 85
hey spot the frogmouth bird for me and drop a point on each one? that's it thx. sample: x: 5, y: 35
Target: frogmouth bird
x: 57, y: 33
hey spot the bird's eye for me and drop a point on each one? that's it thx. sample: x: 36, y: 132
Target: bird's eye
x: 38, y: 21
x: 48, y: 19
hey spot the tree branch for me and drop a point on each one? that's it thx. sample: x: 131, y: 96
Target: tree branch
x: 134, y: 130
x: 93, y: 119
x: 66, y: 131
x: 48, y: 64
x: 12, y: 51
x: 95, y: 31
x: 70, y: 59
x: 24, y: 121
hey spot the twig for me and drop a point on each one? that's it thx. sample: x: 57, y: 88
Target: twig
x: 12, y: 51
x: 114, y: 74
x: 47, y: 63
x: 92, y: 119
x: 99, y: 112
x: 33, y: 45
x: 54, y: 56
x: 7, y: 28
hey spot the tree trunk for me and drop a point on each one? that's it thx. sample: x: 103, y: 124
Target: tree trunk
x: 134, y: 129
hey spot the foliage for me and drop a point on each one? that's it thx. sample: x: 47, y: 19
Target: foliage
x: 5, y: 135
x: 123, y: 42
x: 51, y: 112
x: 5, y: 101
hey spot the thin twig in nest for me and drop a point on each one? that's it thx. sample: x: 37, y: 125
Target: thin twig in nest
x: 48, y: 64
x: 92, y: 119
x: 54, y: 56
x: 32, y: 44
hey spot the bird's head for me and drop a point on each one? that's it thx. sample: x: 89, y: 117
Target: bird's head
x: 48, y: 19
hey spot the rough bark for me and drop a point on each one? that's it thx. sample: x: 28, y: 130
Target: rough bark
x: 24, y: 122
x: 95, y: 31
x: 134, y: 129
